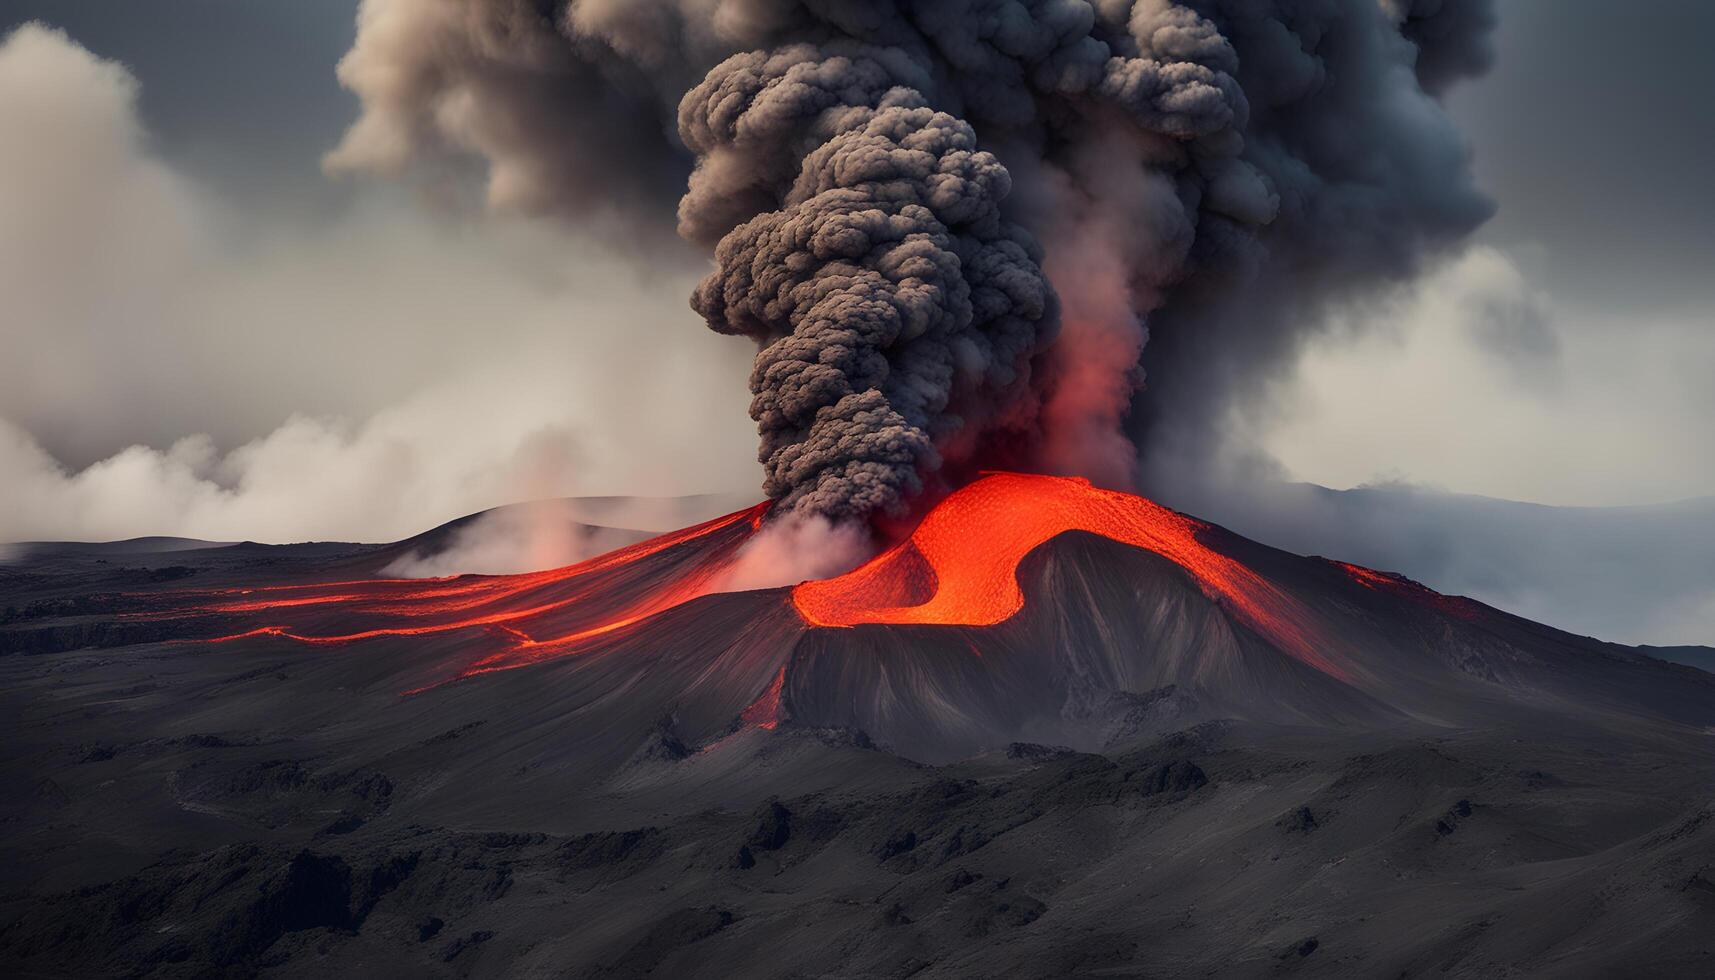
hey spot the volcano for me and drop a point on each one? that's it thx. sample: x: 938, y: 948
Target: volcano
x: 1021, y: 607
x: 1032, y: 637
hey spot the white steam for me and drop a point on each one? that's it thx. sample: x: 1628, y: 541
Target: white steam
x: 176, y: 363
x: 795, y: 548
x: 527, y: 537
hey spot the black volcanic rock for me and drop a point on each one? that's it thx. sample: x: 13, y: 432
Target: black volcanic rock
x: 1170, y: 777
x: 897, y: 843
x: 673, y: 932
x: 1031, y: 751
x: 620, y: 850
x: 1300, y: 821
x: 661, y: 746
x: 773, y: 828
x: 1221, y: 808
x: 452, y: 950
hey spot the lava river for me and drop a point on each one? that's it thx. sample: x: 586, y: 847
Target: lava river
x: 523, y: 619
x: 959, y: 567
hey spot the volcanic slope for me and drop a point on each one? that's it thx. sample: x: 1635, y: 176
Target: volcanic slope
x: 216, y: 765
x: 1020, y: 607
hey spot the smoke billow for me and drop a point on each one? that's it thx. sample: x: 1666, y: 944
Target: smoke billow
x: 527, y: 537
x: 892, y: 303
x: 793, y: 549
x: 884, y: 184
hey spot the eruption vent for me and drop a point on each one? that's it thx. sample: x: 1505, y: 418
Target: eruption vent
x: 960, y: 566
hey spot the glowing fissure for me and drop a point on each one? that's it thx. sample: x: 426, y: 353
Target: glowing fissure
x: 960, y: 566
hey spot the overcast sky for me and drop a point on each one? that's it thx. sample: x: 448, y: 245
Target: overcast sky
x: 299, y: 357
x: 1569, y: 358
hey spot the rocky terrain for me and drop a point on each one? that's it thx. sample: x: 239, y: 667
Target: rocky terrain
x: 1131, y: 776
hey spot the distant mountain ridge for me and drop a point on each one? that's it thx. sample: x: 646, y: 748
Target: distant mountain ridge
x: 1635, y: 574
x: 1629, y: 574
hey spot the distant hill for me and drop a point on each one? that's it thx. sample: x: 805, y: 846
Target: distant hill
x: 1703, y: 658
x: 131, y: 546
x: 1626, y: 574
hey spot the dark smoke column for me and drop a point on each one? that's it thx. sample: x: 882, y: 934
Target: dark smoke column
x: 890, y: 300
x: 1206, y: 179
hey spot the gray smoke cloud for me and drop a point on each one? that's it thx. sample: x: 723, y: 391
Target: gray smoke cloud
x: 566, y: 123
x: 892, y: 303
x: 888, y: 188
x: 1373, y: 183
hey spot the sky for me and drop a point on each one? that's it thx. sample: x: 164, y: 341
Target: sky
x: 1567, y: 358
x: 207, y: 336
x: 210, y: 338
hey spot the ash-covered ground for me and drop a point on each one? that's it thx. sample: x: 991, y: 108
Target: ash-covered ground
x: 279, y: 808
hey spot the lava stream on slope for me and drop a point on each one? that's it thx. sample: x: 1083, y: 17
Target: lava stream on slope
x: 959, y: 567
x: 534, y: 616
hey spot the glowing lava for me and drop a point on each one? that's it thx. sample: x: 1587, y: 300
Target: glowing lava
x: 531, y: 617
x: 1399, y: 585
x: 960, y: 566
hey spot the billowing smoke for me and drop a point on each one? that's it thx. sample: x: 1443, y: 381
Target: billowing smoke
x: 884, y: 182
x: 526, y: 537
x: 1373, y: 184
x: 893, y: 304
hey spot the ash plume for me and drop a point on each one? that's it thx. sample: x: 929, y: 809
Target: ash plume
x: 891, y: 302
x: 888, y: 188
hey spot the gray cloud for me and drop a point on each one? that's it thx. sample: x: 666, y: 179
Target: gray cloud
x: 172, y: 368
x: 1566, y: 358
x: 1514, y: 326
x: 1248, y: 163
x: 1453, y: 38
x: 249, y: 115
x: 568, y: 126
x: 1642, y: 574
x: 1595, y: 135
x: 1480, y: 382
x: 892, y: 304
x: 1374, y: 184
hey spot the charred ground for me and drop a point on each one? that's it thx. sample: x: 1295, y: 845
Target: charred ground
x: 720, y: 788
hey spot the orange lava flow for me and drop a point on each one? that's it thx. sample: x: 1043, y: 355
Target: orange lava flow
x: 960, y: 565
x: 1369, y: 578
x: 958, y: 568
x: 1399, y: 585
x: 530, y: 649
x: 528, y: 615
